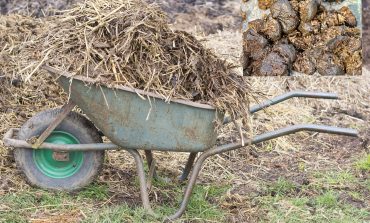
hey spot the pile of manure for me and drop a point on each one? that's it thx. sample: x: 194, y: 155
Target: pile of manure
x: 302, y: 36
x: 20, y: 99
x: 129, y: 43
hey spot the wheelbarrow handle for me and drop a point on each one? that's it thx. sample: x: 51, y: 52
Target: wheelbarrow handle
x: 304, y: 127
x: 286, y: 131
x: 260, y: 138
x: 284, y: 97
x: 292, y: 94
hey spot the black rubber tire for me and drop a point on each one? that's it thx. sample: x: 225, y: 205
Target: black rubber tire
x: 75, y: 124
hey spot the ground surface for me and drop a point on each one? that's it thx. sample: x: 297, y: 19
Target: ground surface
x: 300, y: 178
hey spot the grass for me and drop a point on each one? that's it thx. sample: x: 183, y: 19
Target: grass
x: 283, y: 201
x: 321, y: 208
x: 16, y: 207
x: 364, y: 164
x: 331, y: 196
x: 117, y: 214
x: 327, y: 200
x: 281, y: 187
x: 334, y: 179
x: 20, y: 206
x: 94, y: 191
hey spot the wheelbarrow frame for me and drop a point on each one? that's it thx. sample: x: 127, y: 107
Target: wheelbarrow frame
x: 11, y: 141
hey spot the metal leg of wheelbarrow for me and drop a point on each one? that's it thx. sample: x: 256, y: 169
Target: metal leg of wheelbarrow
x: 188, y: 166
x: 149, y: 160
x: 143, y: 187
x: 195, y: 173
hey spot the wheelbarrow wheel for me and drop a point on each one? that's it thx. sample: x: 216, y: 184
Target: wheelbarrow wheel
x: 67, y: 171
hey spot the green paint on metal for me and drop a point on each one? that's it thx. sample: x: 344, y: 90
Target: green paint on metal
x: 136, y: 123
x: 45, y: 162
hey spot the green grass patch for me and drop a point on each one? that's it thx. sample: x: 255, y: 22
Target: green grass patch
x: 333, y: 179
x: 200, y: 203
x: 94, y: 191
x: 12, y: 217
x: 118, y: 214
x: 16, y: 207
x: 20, y: 206
x: 281, y: 187
x: 367, y: 184
x: 329, y: 200
x: 200, y: 208
x: 320, y: 209
x: 300, y: 201
x: 364, y: 164
x: 319, y: 201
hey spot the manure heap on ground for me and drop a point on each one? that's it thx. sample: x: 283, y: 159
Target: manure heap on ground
x: 129, y: 43
x: 302, y: 36
x: 20, y: 100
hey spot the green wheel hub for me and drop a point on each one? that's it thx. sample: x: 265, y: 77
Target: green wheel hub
x: 45, y: 162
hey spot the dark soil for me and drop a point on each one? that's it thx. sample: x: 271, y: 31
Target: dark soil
x: 39, y: 8
x: 202, y: 16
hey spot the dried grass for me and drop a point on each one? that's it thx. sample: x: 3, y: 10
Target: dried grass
x: 130, y: 43
x: 19, y: 100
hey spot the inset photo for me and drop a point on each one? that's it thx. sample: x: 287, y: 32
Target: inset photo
x: 309, y: 37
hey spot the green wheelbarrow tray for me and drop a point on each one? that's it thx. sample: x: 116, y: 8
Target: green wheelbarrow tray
x: 136, y: 120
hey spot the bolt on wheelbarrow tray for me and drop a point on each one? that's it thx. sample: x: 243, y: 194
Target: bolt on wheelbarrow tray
x: 132, y: 120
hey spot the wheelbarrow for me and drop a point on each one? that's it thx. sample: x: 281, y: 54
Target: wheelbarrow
x: 63, y: 150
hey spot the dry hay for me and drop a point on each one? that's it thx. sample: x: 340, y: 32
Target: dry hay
x: 303, y: 36
x: 19, y: 100
x: 16, y: 32
x: 130, y: 43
